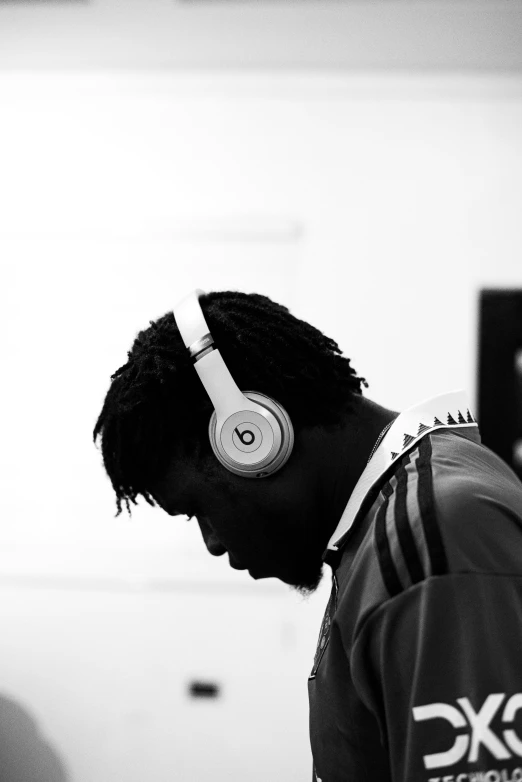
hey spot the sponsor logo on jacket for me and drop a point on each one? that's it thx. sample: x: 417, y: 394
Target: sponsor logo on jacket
x: 478, y: 733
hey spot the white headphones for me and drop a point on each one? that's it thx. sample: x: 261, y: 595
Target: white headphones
x: 250, y: 433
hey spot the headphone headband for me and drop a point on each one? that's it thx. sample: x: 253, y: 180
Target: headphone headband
x: 190, y: 320
x: 250, y: 433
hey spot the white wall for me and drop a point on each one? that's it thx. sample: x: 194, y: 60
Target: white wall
x: 466, y: 35
x: 376, y: 206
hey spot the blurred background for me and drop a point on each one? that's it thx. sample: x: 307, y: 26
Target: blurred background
x: 359, y: 161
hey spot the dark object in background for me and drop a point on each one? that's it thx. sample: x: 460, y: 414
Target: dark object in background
x: 499, y: 404
x: 199, y: 689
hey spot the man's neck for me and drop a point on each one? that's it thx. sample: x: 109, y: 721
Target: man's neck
x: 343, y: 456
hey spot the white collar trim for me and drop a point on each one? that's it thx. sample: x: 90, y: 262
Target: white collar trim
x: 445, y: 411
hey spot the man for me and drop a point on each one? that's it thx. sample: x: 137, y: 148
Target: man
x: 417, y: 673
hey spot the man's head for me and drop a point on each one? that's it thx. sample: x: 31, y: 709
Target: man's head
x: 154, y: 427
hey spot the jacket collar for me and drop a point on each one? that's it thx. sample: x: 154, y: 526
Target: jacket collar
x: 445, y: 411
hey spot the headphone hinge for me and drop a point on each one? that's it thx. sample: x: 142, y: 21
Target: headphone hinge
x: 201, y: 347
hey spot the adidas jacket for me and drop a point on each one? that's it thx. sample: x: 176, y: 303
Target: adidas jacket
x: 418, y: 671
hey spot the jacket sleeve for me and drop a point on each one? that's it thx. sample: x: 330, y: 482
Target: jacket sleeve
x: 440, y: 667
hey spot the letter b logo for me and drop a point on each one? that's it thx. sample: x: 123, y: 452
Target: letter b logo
x: 247, y: 437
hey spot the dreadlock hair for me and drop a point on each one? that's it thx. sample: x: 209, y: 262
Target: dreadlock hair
x: 157, y: 405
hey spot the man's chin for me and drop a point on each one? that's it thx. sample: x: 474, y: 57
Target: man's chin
x: 304, y: 583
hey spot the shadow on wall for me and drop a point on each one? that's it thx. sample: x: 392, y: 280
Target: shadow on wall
x: 25, y: 756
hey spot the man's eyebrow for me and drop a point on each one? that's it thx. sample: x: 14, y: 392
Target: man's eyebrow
x: 164, y: 506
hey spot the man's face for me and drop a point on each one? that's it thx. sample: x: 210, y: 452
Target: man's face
x: 270, y: 526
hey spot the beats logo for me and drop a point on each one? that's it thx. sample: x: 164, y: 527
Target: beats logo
x: 247, y: 437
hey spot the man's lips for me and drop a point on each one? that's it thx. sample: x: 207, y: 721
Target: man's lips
x: 236, y: 565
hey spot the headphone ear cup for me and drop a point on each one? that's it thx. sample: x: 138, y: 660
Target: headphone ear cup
x: 283, y: 432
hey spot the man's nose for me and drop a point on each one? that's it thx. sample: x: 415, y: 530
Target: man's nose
x: 215, y: 547
x: 212, y: 542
